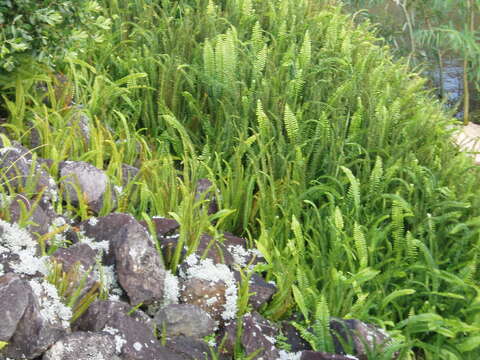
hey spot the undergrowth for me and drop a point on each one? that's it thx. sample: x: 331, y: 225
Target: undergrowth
x: 330, y: 157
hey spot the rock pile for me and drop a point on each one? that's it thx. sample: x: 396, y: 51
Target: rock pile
x: 123, y: 303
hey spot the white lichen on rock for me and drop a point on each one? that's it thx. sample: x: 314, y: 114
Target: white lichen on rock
x: 207, y: 270
x: 51, y: 307
x: 171, y: 289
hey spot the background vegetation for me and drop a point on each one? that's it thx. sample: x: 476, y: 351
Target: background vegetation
x: 329, y: 156
x: 430, y: 33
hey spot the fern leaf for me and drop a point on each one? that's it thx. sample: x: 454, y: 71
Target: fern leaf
x: 291, y: 125
x: 354, y: 189
x: 360, y: 245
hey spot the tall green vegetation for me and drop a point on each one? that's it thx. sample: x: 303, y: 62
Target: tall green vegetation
x: 328, y: 155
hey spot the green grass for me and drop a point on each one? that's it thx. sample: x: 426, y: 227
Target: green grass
x: 329, y: 156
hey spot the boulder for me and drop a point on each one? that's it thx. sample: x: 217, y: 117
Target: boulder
x: 189, y: 348
x: 362, y: 337
x: 184, y: 319
x: 203, y: 191
x: 133, y: 336
x: 258, y: 337
x: 140, y: 269
x: 26, y: 329
x: 92, y: 184
x: 82, y: 346
x: 21, y: 174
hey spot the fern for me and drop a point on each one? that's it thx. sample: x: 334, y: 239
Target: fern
x: 305, y: 56
x: 353, y: 191
x: 291, y: 125
x: 360, y: 245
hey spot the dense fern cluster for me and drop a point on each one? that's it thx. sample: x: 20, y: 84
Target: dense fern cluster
x: 328, y: 155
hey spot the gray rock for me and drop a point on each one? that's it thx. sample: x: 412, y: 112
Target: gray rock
x: 204, y: 192
x: 91, y: 182
x: 190, y: 348
x: 128, y: 173
x: 38, y: 216
x: 100, y: 312
x: 20, y: 173
x: 261, y: 291
x: 293, y: 338
x: 33, y: 334
x: 107, y: 228
x: 361, y: 336
x: 83, y: 346
x: 258, y: 334
x: 140, y: 268
x: 319, y: 355
x: 78, y: 260
x: 13, y: 302
x: 184, y: 319
x: 232, y: 242
x: 80, y: 122
x: 208, y: 295
x: 163, y: 226
x: 131, y: 332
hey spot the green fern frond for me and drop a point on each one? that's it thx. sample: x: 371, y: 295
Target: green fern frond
x: 353, y: 195
x: 398, y: 228
x: 321, y: 327
x: 306, y: 51
x: 260, y: 61
x: 291, y: 124
x: 208, y: 60
x: 376, y: 176
x: 338, y: 218
x: 262, y: 119
x: 360, y: 245
x: 257, y: 38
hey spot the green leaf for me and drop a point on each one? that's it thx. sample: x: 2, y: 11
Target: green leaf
x: 398, y: 293
x: 470, y: 344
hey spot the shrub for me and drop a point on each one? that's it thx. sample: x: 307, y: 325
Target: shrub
x: 43, y: 30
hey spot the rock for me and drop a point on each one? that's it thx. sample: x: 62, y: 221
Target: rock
x: 360, y: 335
x: 80, y: 122
x: 208, y: 295
x: 77, y: 260
x: 26, y: 330
x: 92, y: 183
x: 258, y: 336
x: 21, y: 174
x: 262, y: 291
x: 293, y: 338
x: 128, y: 174
x: 14, y: 300
x: 107, y: 228
x: 133, y: 335
x: 163, y: 226
x: 184, y: 319
x: 99, y: 313
x: 140, y: 269
x: 242, y: 255
x: 189, y: 348
x: 210, y: 286
x: 83, y: 346
x: 204, y: 192
x: 39, y: 218
x: 19, y: 253
x: 214, y: 250
x: 319, y: 355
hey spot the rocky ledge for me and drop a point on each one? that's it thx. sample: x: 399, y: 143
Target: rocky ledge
x: 100, y: 289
